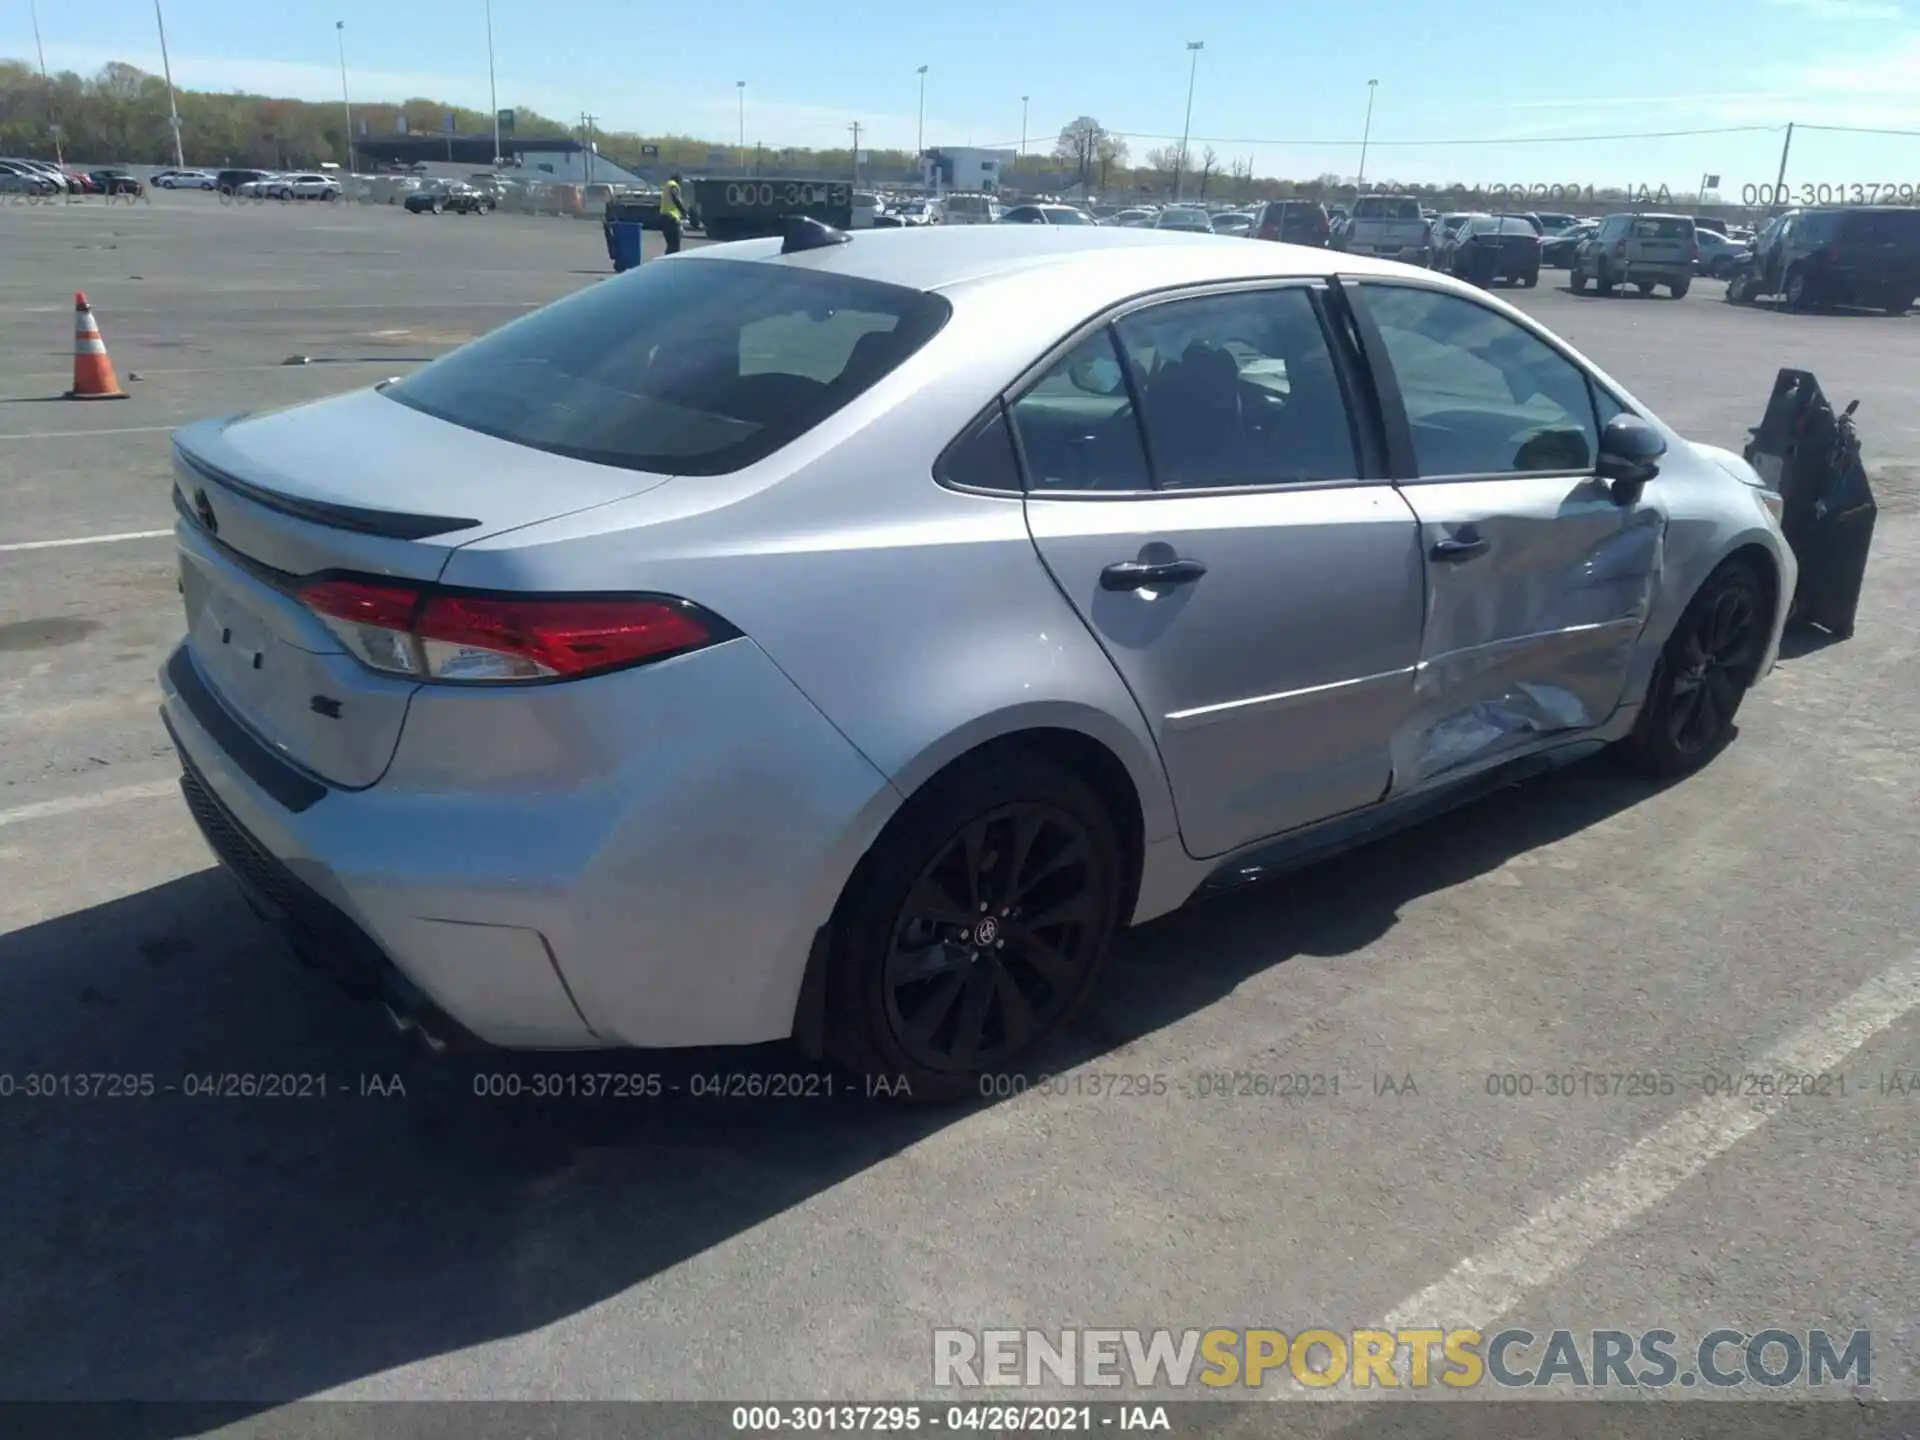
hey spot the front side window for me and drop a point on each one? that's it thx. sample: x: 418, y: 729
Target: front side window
x: 1483, y: 396
x: 700, y: 367
x: 1239, y: 389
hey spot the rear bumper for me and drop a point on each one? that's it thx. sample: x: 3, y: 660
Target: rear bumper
x: 639, y: 859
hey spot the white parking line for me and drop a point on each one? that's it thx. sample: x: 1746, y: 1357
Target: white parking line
x: 101, y: 800
x: 83, y: 540
x: 73, y: 434
x: 1551, y: 1241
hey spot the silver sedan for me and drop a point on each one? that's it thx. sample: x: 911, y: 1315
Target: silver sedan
x: 841, y: 638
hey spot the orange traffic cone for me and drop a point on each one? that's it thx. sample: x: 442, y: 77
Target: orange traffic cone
x: 93, y: 377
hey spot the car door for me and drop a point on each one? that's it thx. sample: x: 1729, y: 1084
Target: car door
x: 1538, y: 583
x: 1204, y: 491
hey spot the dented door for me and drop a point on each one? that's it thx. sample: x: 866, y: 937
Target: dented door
x: 1538, y: 584
x: 1537, y: 591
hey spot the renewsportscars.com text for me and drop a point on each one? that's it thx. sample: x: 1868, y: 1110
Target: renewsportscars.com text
x: 1770, y: 1359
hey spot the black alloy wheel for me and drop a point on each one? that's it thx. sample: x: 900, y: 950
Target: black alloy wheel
x: 975, y: 925
x: 994, y: 938
x: 1709, y: 663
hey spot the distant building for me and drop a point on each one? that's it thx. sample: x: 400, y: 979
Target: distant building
x: 965, y: 168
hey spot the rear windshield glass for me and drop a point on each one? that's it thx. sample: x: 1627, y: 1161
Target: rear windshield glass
x: 691, y: 367
x: 1882, y: 227
x: 1387, y: 209
x: 1510, y: 225
x: 1663, y: 229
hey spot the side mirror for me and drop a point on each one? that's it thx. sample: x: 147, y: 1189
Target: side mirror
x: 1630, y: 451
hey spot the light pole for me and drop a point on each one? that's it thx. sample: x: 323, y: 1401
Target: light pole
x: 1194, y: 47
x: 52, y: 124
x: 920, y: 135
x: 1366, y: 134
x: 1023, y: 130
x: 493, y: 94
x: 740, y: 91
x: 340, y: 34
x: 173, y: 111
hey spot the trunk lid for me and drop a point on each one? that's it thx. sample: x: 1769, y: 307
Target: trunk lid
x: 356, y: 483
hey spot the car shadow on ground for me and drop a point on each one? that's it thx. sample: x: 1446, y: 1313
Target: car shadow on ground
x: 191, y: 1247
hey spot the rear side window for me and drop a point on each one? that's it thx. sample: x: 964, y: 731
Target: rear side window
x: 697, y: 367
x: 1884, y: 227
x: 1387, y: 209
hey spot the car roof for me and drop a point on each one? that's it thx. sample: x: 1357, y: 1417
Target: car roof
x: 1128, y: 260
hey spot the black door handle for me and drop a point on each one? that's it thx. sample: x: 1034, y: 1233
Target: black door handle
x: 1134, y: 574
x: 1452, y: 551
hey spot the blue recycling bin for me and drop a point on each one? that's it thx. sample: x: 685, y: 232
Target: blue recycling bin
x: 626, y: 245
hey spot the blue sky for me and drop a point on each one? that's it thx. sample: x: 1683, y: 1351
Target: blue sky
x: 1284, y: 84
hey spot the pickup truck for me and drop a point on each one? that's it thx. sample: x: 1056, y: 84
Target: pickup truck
x: 1389, y: 226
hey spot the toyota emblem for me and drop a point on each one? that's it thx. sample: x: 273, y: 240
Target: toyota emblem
x: 203, y: 507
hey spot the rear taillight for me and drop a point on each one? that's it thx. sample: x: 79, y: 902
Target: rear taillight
x: 461, y: 637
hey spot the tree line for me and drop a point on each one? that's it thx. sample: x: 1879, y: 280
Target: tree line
x: 120, y: 116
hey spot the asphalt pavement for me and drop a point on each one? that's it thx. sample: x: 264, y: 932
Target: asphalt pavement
x: 404, y: 1237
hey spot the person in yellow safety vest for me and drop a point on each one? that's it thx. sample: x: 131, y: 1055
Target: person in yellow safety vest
x: 673, y: 213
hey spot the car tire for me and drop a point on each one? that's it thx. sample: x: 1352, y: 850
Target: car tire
x: 1679, y: 289
x: 1530, y: 279
x: 1577, y: 279
x: 945, y: 863
x: 1602, y: 281
x: 437, y: 208
x: 1798, y: 290
x: 1706, y: 668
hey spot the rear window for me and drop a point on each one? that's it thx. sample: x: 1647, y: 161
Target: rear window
x: 695, y: 367
x: 1387, y: 209
x: 1663, y: 228
x: 1883, y: 227
x: 1509, y: 225
x: 1068, y: 217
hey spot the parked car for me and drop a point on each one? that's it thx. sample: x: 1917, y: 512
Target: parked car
x: 1188, y: 218
x: 185, y: 180
x: 1553, y: 222
x: 1388, y: 226
x: 118, y: 182
x: 542, y: 694
x: 1485, y: 249
x: 1638, y: 250
x: 1440, y: 229
x: 1718, y: 254
x: 232, y: 182
x: 56, y: 177
x: 1855, y: 255
x: 1558, y: 250
x: 1293, y: 222
x: 1134, y: 217
x: 1046, y: 215
x: 1233, y: 222
x: 967, y: 208
x: 302, y: 185
x: 437, y: 196
x: 912, y: 213
x: 30, y: 180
